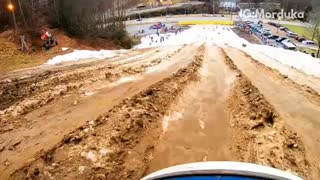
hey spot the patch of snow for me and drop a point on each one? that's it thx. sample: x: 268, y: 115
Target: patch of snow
x: 92, y: 156
x: 89, y: 93
x: 81, y: 169
x: 104, y: 151
x: 82, y: 54
x: 222, y: 36
x: 64, y: 48
x: 91, y: 123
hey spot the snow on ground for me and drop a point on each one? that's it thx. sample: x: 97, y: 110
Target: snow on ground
x: 222, y: 36
x: 84, y: 54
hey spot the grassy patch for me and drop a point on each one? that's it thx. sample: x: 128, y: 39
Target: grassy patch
x: 300, y: 30
x: 178, y: 1
x: 11, y: 58
x: 308, y: 50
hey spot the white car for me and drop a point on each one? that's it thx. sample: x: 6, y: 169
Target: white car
x: 291, y: 34
x: 307, y: 42
x: 287, y: 44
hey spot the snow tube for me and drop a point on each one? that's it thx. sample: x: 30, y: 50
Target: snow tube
x: 220, y: 170
x: 46, y: 35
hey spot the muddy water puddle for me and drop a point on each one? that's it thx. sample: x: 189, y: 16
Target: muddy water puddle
x: 196, y: 128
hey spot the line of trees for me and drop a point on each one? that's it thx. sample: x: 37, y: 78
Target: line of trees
x: 287, y: 5
x: 314, y: 19
x: 90, y: 18
x: 93, y: 18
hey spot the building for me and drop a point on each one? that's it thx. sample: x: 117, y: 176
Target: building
x: 228, y: 3
x: 269, y: 5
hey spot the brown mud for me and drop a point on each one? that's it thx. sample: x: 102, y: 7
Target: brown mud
x: 110, y: 146
x: 261, y: 136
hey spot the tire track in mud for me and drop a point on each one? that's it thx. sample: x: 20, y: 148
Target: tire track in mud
x: 49, y: 89
x: 196, y: 128
x: 50, y: 123
x: 14, y: 90
x: 307, y: 91
x: 260, y: 135
x: 108, y: 147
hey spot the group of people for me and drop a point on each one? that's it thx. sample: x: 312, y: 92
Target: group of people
x: 161, y: 39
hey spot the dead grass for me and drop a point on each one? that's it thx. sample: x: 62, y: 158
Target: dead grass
x: 11, y: 58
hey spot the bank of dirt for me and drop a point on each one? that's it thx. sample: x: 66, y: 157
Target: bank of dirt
x: 44, y: 127
x: 12, y: 58
x: 260, y: 135
x: 21, y: 96
x: 306, y: 90
x: 117, y: 144
x: 57, y: 87
x: 250, y: 38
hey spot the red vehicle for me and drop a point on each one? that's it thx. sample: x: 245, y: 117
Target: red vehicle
x: 49, y: 40
x: 300, y: 39
x: 157, y: 26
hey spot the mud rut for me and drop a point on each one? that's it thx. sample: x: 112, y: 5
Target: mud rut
x: 200, y: 107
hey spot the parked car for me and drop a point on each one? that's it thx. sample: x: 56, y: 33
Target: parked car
x: 274, y: 37
x: 308, y: 42
x: 262, y: 31
x: 157, y: 26
x: 272, y: 23
x: 291, y: 34
x: 287, y: 30
x: 300, y: 39
x: 271, y: 42
x: 287, y: 44
x: 280, y: 39
x: 267, y: 33
x: 249, y: 22
x: 283, y: 29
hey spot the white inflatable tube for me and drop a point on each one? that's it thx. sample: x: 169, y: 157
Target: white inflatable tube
x: 222, y: 168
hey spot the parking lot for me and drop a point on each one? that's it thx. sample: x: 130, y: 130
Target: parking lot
x: 278, y: 32
x: 274, y: 34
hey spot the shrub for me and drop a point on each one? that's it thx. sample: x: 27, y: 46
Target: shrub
x: 122, y: 38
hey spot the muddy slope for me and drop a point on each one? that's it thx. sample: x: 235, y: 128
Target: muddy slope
x: 20, y: 97
x: 306, y: 90
x: 196, y: 128
x: 103, y: 148
x: 18, y: 88
x: 260, y: 135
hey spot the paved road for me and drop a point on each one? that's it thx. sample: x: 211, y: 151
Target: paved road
x: 132, y: 11
x: 177, y: 18
x: 134, y: 29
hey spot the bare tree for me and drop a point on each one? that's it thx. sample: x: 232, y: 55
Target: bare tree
x: 215, y: 5
x: 315, y: 23
x: 22, y: 14
x: 315, y: 27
